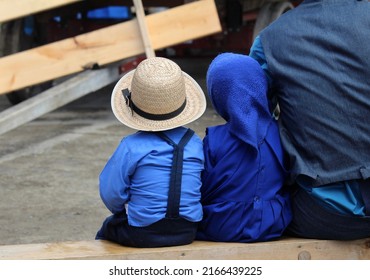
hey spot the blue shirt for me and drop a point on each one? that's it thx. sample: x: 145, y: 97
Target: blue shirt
x: 138, y: 174
x: 348, y: 199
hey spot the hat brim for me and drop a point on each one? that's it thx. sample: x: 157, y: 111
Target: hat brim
x: 195, y: 106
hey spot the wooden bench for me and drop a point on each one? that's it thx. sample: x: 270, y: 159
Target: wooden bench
x: 283, y: 249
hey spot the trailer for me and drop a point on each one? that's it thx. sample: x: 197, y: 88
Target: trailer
x: 45, y: 44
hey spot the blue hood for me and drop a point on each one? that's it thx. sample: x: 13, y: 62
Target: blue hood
x: 237, y: 87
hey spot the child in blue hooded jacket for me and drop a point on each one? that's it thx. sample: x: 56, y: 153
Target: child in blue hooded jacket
x: 243, y: 196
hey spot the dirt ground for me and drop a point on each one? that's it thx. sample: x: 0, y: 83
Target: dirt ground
x: 50, y: 168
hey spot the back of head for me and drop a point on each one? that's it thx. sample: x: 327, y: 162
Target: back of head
x: 237, y: 87
x: 234, y: 80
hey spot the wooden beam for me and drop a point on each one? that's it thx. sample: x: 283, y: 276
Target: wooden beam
x: 107, y: 45
x: 140, y: 15
x: 284, y: 249
x: 11, y: 9
x: 57, y: 96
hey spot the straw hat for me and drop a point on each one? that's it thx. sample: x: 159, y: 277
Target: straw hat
x: 157, y: 96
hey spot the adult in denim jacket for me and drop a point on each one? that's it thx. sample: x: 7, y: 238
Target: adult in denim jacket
x: 317, y: 59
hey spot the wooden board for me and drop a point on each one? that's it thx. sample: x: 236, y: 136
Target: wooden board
x: 140, y: 15
x: 106, y: 45
x: 11, y: 9
x: 57, y: 96
x: 285, y: 249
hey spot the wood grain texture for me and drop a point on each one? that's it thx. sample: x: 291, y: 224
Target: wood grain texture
x: 107, y: 45
x: 284, y: 249
x: 77, y: 86
x: 12, y: 9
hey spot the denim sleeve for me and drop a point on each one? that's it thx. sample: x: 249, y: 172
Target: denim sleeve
x: 258, y: 54
x: 114, y: 179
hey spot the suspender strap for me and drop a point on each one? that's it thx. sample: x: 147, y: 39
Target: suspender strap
x: 173, y: 202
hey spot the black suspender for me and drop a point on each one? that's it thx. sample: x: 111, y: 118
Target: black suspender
x: 173, y: 202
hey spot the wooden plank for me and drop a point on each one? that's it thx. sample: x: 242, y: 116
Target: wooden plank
x: 57, y: 96
x: 11, y: 9
x: 106, y: 45
x: 284, y: 249
x: 140, y: 15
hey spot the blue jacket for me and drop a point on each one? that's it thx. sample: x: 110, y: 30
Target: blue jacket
x: 242, y: 193
x: 320, y: 66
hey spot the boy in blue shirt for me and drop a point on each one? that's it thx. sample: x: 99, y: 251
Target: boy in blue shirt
x: 152, y: 181
x: 242, y: 193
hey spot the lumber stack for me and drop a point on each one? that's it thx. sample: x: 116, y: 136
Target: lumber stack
x: 107, y: 45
